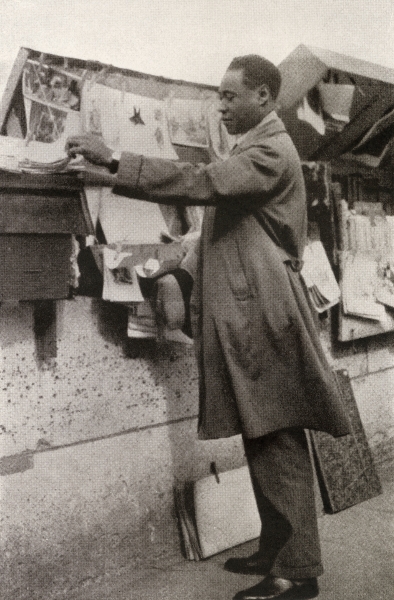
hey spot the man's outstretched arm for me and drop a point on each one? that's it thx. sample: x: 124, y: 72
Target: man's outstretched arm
x: 253, y: 174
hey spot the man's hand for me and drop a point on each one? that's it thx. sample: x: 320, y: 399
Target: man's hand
x: 92, y: 147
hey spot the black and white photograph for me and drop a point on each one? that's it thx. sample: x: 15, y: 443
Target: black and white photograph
x: 197, y: 300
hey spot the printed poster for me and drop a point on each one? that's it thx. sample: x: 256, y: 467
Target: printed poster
x: 127, y: 121
x: 52, y: 103
x: 187, y: 122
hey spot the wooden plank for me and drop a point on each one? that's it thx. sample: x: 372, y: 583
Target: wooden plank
x: 89, y: 226
x: 37, y: 212
x: 352, y: 328
x: 357, y: 127
x: 345, y: 467
x: 24, y: 181
x: 34, y: 267
x: 12, y: 83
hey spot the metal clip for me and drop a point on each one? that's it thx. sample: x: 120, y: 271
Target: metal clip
x: 214, y: 471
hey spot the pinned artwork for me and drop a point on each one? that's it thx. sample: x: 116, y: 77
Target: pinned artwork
x: 100, y: 108
x: 144, y: 127
x: 136, y: 118
x: 126, y: 121
x: 49, y: 85
x: 120, y: 279
x: 187, y: 122
x: 52, y: 102
x: 50, y: 125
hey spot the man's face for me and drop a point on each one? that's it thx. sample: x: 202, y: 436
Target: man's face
x: 242, y: 108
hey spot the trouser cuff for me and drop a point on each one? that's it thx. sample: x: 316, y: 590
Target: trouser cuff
x: 297, y: 572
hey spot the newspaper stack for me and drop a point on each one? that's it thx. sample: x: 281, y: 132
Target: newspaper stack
x: 39, y: 158
x: 323, y: 288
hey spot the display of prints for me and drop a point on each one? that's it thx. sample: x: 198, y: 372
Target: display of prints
x: 101, y: 109
x: 187, y: 122
x: 53, y: 87
x: 144, y: 128
x: 367, y: 283
x: 127, y: 121
x: 47, y: 124
x: 120, y: 281
x: 52, y: 102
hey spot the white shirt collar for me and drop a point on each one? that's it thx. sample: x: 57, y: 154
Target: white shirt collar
x: 267, y: 118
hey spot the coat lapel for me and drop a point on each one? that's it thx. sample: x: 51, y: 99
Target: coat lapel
x: 264, y: 129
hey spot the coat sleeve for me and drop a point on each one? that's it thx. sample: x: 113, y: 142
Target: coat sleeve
x: 255, y: 173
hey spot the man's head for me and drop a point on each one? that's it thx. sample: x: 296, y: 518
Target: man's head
x: 248, y: 92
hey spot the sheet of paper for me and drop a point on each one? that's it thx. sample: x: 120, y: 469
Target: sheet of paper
x: 127, y: 121
x: 360, y: 279
x: 337, y: 100
x: 144, y: 127
x: 141, y: 321
x: 16, y: 155
x: 307, y: 114
x: 120, y: 279
x: 51, y: 85
x: 317, y: 272
x: 127, y: 220
x: 101, y: 109
x: 11, y: 151
x: 187, y: 122
x: 52, y: 103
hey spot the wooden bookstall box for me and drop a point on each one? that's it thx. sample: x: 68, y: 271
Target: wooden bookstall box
x: 38, y: 217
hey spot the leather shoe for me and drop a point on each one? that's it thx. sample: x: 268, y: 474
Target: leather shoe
x: 248, y: 565
x: 280, y: 589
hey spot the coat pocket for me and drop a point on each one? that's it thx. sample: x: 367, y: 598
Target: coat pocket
x: 239, y: 337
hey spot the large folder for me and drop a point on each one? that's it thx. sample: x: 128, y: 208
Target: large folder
x: 345, y: 465
x: 216, y: 513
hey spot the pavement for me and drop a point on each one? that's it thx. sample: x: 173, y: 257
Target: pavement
x: 358, y: 557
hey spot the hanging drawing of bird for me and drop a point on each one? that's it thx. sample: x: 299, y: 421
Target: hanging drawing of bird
x: 136, y: 118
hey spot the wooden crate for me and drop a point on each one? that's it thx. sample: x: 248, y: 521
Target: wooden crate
x: 34, y: 267
x: 38, y: 217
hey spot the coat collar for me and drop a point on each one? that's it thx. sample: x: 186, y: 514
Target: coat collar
x: 270, y: 125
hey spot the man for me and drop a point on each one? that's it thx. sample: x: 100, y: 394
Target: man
x: 262, y: 369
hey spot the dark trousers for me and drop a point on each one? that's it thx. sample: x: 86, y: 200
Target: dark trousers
x: 282, y: 478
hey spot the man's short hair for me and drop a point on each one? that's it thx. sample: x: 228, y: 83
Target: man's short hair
x: 258, y: 71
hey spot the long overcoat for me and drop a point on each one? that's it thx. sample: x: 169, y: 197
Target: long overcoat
x: 261, y: 364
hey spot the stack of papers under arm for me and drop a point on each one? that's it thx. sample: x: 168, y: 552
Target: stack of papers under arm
x: 18, y: 156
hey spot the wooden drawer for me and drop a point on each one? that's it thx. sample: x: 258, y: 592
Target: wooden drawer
x: 34, y: 266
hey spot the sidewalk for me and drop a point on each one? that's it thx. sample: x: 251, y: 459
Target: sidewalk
x: 358, y: 554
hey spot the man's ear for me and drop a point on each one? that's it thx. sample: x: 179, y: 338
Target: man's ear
x: 264, y: 94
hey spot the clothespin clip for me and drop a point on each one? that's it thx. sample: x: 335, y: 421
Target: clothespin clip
x: 214, y: 471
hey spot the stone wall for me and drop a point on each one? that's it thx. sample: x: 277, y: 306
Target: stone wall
x: 93, y: 445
